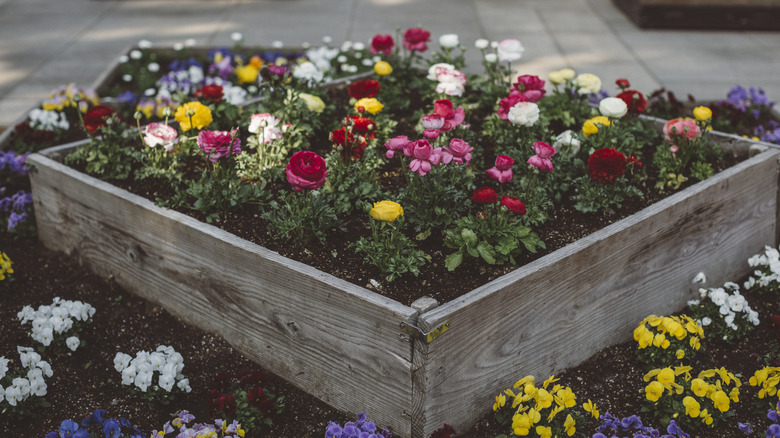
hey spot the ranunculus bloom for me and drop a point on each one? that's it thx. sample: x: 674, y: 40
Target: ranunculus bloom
x: 193, y: 115
x: 530, y: 86
x: 363, y: 126
x: 382, y: 44
x: 451, y: 83
x: 365, y: 88
x: 436, y: 69
x: 449, y: 40
x: 524, y: 114
x: 587, y: 83
x: 266, y: 126
x: 369, y: 104
x: 502, y: 172
x: 387, y: 211
x: 622, y: 83
x: 567, y: 138
x: 484, y: 195
x: 424, y: 157
x: 246, y: 74
x: 513, y: 204
x: 452, y: 116
x: 509, y: 50
x: 684, y: 128
x: 211, y: 92
x: 218, y: 144
x: 506, y: 104
x: 702, y: 113
x: 313, y: 103
x: 160, y: 134
x: 306, y: 170
x: 613, y: 107
x: 542, y: 159
x: 351, y: 146
x: 96, y: 117
x: 383, y: 68
x: 416, y: 39
x: 458, y: 152
x: 396, y: 144
x: 591, y: 126
x: 635, y: 101
x: 560, y: 76
x: 432, y: 121
x: 605, y: 165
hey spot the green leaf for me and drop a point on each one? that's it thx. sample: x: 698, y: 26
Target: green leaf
x: 469, y: 237
x: 424, y: 235
x: 453, y: 260
x: 487, y: 252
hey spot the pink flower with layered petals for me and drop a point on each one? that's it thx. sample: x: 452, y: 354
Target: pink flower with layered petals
x: 505, y: 104
x: 502, y: 172
x: 396, y: 144
x: 458, y: 152
x: 452, y: 116
x: 218, y: 144
x: 382, y: 44
x: 542, y: 159
x: 530, y: 86
x: 424, y: 157
x: 416, y: 39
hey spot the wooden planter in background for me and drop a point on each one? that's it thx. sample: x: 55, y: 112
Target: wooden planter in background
x: 414, y: 367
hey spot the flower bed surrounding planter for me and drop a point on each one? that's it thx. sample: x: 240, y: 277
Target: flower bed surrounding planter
x: 413, y: 367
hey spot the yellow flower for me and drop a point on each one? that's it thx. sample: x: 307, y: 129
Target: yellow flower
x: 591, y: 407
x: 654, y: 391
x: 591, y: 126
x: 659, y: 340
x: 193, y: 115
x: 500, y: 402
x: 666, y: 376
x: 706, y: 418
x: 695, y: 343
x: 383, y: 68
x: 721, y: 400
x: 734, y: 394
x: 702, y: 113
x: 680, y: 354
x: 692, y: 407
x: 313, y: 103
x: 565, y: 397
x: 544, y: 432
x: 522, y: 382
x: 256, y: 62
x: 568, y: 425
x: 561, y: 76
x: 246, y: 74
x: 543, y: 399
x: 549, y: 380
x: 521, y: 424
x: 5, y: 265
x: 699, y: 387
x: 369, y: 104
x: 386, y: 211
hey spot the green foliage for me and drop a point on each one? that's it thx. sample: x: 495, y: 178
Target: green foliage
x: 592, y: 197
x: 390, y: 250
x: 109, y: 155
x: 351, y: 185
x: 301, y: 217
x: 219, y: 190
x: 435, y: 200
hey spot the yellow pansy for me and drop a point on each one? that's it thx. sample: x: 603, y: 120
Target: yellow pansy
x: 680, y: 354
x: 721, y: 400
x: 544, y: 432
x: 591, y: 407
x: 246, y: 74
x: 692, y: 407
x: 565, y: 397
x: 654, y: 391
x: 521, y: 424
x: 568, y: 425
x: 500, y: 402
x: 543, y: 399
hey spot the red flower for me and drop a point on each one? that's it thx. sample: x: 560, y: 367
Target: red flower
x: 96, y: 117
x: 227, y: 404
x: 382, y: 44
x: 513, y: 204
x: 623, y: 83
x: 353, y: 146
x: 363, y: 126
x: 635, y: 101
x: 306, y: 170
x: 484, y: 195
x: 415, y: 39
x: 444, y: 432
x: 605, y: 165
x: 212, y: 93
x: 505, y: 104
x: 364, y: 88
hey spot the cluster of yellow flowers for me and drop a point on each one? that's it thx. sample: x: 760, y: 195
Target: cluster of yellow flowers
x: 5, y: 265
x: 530, y: 402
x: 70, y: 96
x: 591, y: 126
x: 767, y: 378
x: 695, y: 392
x: 669, y: 333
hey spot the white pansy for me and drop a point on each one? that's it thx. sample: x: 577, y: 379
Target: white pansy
x: 692, y: 303
x: 327, y: 39
x: 305, y: 45
x: 38, y: 389
x: 122, y: 59
x: 189, y: 42
x: 706, y: 321
x: 341, y: 58
x: 122, y: 361
x: 45, y: 367
x: 753, y: 317
x: 184, y: 385
x: 3, y: 366
x: 449, y: 41
x: 178, y: 47
x: 718, y: 296
x: 127, y: 78
x: 166, y: 382
x: 12, y: 396
x: 153, y: 67
x: 72, y: 343
x: 143, y: 380
x: 699, y: 278
x: 345, y: 46
x: 128, y: 375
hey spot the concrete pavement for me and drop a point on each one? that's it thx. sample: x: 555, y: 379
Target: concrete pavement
x: 47, y: 43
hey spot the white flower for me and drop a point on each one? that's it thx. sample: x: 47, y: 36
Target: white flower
x: 308, y: 72
x: 449, y: 41
x: 718, y: 296
x: 153, y: 67
x: 135, y: 54
x: 45, y: 367
x: 730, y: 320
x: 189, y: 42
x: 122, y: 361
x: 145, y: 44
x: 127, y: 78
x: 236, y: 36
x: 737, y: 302
x: 749, y: 283
x: 481, y: 43
x: 692, y: 303
x: 491, y: 58
x: 26, y: 314
x: 587, y: 83
x: 2, y: 393
x: 122, y: 59
x: 72, y: 343
x: 753, y: 317
x: 494, y: 44
x: 725, y: 310
x: 166, y: 382
x: 38, y: 388
x: 706, y: 321
x: 23, y: 385
x: 128, y: 375
x: 266, y: 126
x: 452, y: 83
x: 178, y: 47
x: 12, y: 395
x: 341, y: 58
x: 699, y: 278
x: 277, y: 44
x: 509, y: 50
x: 305, y: 45
x: 3, y: 366
x: 184, y: 385
x: 28, y: 357
x: 327, y: 39
x: 436, y: 69
x: 143, y: 381
x: 567, y: 138
x: 358, y: 46
x: 613, y: 107
x: 524, y: 114
x: 368, y: 62
x: 34, y: 375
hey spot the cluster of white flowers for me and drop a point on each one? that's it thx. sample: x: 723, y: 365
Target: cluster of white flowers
x: 57, y: 318
x: 231, y: 93
x: 308, y: 72
x: 768, y: 271
x: 22, y: 388
x: 48, y: 120
x: 139, y: 371
x: 451, y: 81
x: 729, y: 305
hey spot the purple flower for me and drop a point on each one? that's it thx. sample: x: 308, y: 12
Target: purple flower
x: 673, y: 428
x: 745, y: 428
x: 67, y: 428
x: 95, y: 419
x: 51, y: 435
x: 333, y: 430
x: 111, y: 428
x: 773, y: 431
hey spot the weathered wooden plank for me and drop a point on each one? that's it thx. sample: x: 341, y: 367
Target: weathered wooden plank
x: 335, y: 340
x: 564, y: 307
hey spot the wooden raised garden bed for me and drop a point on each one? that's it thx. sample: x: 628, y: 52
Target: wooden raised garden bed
x: 414, y: 368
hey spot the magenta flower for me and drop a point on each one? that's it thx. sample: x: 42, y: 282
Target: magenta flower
x: 503, y: 170
x: 458, y: 151
x: 532, y: 87
x: 542, y: 158
x: 217, y: 144
x: 306, y: 170
x: 424, y: 157
x: 452, y: 116
x: 396, y: 144
x: 432, y: 123
x: 505, y: 104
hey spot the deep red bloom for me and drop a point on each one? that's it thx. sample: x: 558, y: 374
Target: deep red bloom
x: 211, y: 92
x: 446, y: 431
x: 622, y: 83
x: 364, y: 88
x: 513, y: 204
x: 227, y: 404
x: 353, y: 146
x: 96, y: 117
x: 484, y: 195
x: 605, y: 165
x: 415, y: 39
x: 363, y: 126
x: 635, y: 101
x: 382, y: 44
x: 505, y: 104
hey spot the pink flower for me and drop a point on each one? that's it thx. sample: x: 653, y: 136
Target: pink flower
x: 452, y: 117
x: 306, y: 170
x: 542, y: 158
x: 432, y: 123
x: 532, y: 87
x: 503, y: 170
x: 458, y: 151
x: 508, y: 102
x: 382, y: 44
x: 160, y: 134
x: 451, y: 83
x: 265, y: 125
x: 217, y: 144
x: 424, y: 157
x: 685, y: 128
x: 416, y: 39
x: 396, y: 144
